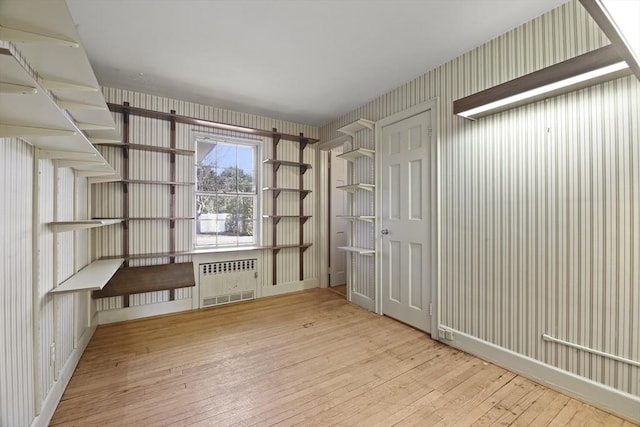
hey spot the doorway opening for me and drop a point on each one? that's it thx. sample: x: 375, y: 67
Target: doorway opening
x: 338, y: 228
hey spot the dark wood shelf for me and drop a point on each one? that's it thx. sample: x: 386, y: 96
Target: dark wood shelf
x: 188, y: 253
x: 145, y: 181
x: 145, y: 147
x: 277, y: 190
x: 277, y: 163
x: 303, y: 246
x: 151, y: 218
x: 151, y: 278
x: 207, y: 123
x: 276, y: 218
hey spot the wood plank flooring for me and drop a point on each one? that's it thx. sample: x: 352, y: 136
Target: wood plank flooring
x: 308, y: 358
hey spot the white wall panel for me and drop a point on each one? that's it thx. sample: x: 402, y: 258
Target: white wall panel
x: 46, y: 281
x: 64, y: 308
x: 16, y: 321
x: 540, y: 205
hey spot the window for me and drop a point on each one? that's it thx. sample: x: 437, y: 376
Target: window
x: 226, y: 191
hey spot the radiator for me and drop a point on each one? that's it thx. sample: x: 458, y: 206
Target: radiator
x: 225, y: 282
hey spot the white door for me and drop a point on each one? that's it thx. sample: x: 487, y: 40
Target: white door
x: 339, y: 227
x: 405, y: 254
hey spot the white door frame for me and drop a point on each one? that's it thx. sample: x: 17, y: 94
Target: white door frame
x: 430, y: 105
x: 322, y: 177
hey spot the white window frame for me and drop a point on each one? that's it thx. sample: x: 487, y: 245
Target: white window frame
x: 252, y: 142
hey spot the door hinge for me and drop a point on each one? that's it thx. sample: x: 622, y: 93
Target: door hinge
x: 430, y: 309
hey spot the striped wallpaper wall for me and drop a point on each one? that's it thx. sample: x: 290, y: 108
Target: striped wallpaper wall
x: 540, y: 205
x: 33, y: 325
x: 153, y: 200
x: 16, y: 321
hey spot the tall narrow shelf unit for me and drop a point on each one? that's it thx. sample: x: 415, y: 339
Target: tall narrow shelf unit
x: 300, y: 192
x: 353, y: 155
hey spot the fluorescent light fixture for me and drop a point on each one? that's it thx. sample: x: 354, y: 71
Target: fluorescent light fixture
x: 584, y: 70
x: 545, y: 91
x: 619, y: 20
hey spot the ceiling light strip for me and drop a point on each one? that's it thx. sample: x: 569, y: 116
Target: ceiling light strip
x: 581, y: 71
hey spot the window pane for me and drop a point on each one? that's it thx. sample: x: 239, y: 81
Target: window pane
x: 246, y: 216
x: 206, y: 220
x: 246, y: 169
x: 207, y: 179
x: 228, y: 180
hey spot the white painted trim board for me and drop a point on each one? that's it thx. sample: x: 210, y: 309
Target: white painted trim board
x: 595, y: 394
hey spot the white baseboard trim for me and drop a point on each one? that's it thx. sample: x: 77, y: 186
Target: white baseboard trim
x: 285, y: 288
x: 596, y: 394
x: 363, y: 301
x: 140, y: 311
x: 50, y: 403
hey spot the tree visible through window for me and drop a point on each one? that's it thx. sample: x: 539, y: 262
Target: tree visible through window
x: 226, y: 192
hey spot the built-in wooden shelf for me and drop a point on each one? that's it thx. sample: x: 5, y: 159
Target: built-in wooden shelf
x: 61, y: 226
x: 276, y: 218
x: 146, y: 181
x: 151, y: 218
x: 359, y: 251
x: 357, y: 153
x: 104, y: 178
x: 207, y: 123
x: 303, y: 246
x: 201, y: 251
x: 359, y: 186
x: 277, y: 190
x: 151, y: 278
x: 365, y: 218
x: 352, y: 128
x: 145, y: 147
x: 92, y: 277
x: 277, y: 163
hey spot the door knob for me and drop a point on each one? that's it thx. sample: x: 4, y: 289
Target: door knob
x: 384, y: 231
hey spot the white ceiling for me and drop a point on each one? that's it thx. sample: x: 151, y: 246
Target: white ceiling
x: 307, y: 61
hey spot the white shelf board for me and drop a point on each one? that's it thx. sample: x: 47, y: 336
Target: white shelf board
x: 25, y: 113
x: 66, y: 89
x: 359, y: 251
x: 352, y: 155
x: 352, y: 128
x: 353, y: 187
x: 365, y: 218
x: 58, y: 62
x: 93, y: 277
x: 61, y: 226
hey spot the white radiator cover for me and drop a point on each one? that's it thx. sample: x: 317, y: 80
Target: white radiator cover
x: 224, y: 282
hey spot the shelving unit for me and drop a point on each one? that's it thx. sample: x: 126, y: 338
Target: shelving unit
x: 359, y: 251
x: 51, y: 99
x: 353, y: 128
x: 35, y: 115
x: 352, y: 188
x: 93, y: 277
x: 276, y: 191
x: 126, y: 145
x: 365, y: 218
x: 352, y: 156
x: 62, y: 226
x: 277, y: 163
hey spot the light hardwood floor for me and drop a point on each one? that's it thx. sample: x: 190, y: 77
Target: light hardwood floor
x: 308, y: 358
